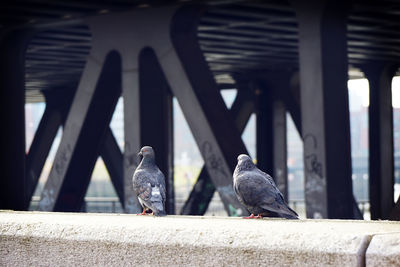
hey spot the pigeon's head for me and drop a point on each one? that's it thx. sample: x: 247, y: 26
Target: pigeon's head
x: 147, y: 152
x: 244, y: 162
x: 243, y: 158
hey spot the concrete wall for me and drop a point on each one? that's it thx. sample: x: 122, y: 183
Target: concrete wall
x: 71, y: 239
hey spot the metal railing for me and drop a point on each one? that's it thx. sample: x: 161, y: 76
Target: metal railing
x: 113, y: 205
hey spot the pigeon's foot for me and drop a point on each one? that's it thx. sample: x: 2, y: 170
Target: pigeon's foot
x: 258, y: 216
x: 250, y: 217
x: 143, y: 213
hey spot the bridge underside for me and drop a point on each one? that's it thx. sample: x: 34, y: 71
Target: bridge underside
x: 282, y: 57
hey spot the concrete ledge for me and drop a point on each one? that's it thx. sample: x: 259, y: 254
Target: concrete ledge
x: 33, y: 238
x: 384, y: 250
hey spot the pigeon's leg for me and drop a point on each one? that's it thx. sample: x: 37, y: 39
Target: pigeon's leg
x: 250, y: 217
x: 259, y: 216
x: 143, y: 213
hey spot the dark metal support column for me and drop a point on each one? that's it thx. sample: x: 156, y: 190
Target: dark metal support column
x: 280, y: 147
x: 325, y: 110
x: 88, y: 119
x: 264, y: 130
x: 130, y: 92
x: 203, y: 190
x: 13, y: 187
x: 156, y: 118
x: 290, y: 95
x: 279, y: 90
x: 381, y: 162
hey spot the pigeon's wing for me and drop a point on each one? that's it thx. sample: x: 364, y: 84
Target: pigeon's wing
x: 238, y: 193
x: 279, y: 205
x: 142, y: 185
x: 270, y: 180
x: 258, y: 191
x: 252, y: 189
x: 274, y: 201
x: 266, y: 176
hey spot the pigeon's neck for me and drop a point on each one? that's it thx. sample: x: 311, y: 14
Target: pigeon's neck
x: 147, y: 162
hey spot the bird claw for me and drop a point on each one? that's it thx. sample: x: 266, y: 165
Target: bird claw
x: 143, y: 213
x: 250, y: 217
x: 253, y: 217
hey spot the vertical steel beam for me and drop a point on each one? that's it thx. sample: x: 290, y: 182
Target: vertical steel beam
x: 87, y: 121
x: 280, y: 147
x: 279, y: 87
x: 287, y: 89
x: 264, y: 130
x: 13, y: 188
x: 203, y: 190
x: 381, y: 162
x: 325, y: 108
x: 156, y: 118
x: 290, y: 95
x: 130, y: 92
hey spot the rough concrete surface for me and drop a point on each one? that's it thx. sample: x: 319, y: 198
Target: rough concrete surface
x: 78, y: 239
x: 384, y: 250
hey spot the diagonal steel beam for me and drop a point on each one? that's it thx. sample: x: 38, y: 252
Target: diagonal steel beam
x: 203, y: 107
x: 57, y: 106
x: 113, y: 160
x: 54, y: 117
x: 203, y: 190
x: 87, y: 121
x: 192, y: 84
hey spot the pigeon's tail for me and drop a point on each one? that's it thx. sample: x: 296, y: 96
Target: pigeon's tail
x: 281, y: 209
x: 157, y: 205
x: 160, y: 213
x: 287, y: 216
x: 293, y: 214
x: 158, y: 209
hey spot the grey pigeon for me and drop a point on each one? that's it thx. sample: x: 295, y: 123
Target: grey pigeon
x: 257, y: 191
x: 149, y: 183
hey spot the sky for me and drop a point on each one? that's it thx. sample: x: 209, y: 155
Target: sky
x: 359, y: 93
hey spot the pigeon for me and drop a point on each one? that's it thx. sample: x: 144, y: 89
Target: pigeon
x: 149, y: 184
x: 257, y: 191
